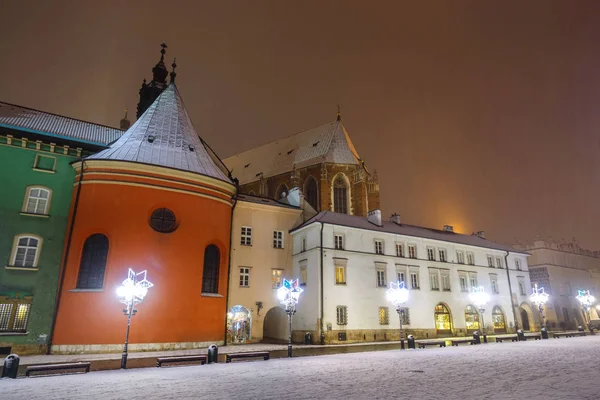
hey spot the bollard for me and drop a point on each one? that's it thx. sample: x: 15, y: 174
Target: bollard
x: 476, y: 337
x: 307, y: 338
x: 411, y: 341
x: 520, y: 335
x: 544, y: 333
x: 11, y: 366
x: 213, y: 354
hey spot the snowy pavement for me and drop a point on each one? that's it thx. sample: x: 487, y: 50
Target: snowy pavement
x: 548, y: 369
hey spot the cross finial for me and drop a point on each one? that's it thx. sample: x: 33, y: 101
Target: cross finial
x: 339, y: 114
x: 163, y: 51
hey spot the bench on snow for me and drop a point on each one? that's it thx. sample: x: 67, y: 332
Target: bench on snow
x: 513, y: 338
x: 181, y: 359
x: 57, y: 367
x: 536, y: 336
x: 422, y: 344
x: 252, y: 354
x: 456, y: 342
x: 568, y: 334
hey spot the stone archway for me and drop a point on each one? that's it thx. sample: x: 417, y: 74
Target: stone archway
x: 239, y: 325
x: 524, y: 320
x: 527, y: 317
x: 275, y: 325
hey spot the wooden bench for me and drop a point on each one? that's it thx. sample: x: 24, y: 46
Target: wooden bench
x: 57, y: 367
x: 253, y: 354
x: 513, y: 338
x: 441, y: 343
x: 536, y: 336
x: 456, y: 342
x: 567, y: 334
x: 181, y: 359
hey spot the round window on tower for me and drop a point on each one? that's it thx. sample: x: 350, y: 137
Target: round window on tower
x: 163, y: 220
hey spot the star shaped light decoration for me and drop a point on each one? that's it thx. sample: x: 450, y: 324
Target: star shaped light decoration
x: 479, y: 297
x: 397, y: 294
x: 134, y: 288
x: 585, y: 298
x: 539, y: 296
x: 289, y: 292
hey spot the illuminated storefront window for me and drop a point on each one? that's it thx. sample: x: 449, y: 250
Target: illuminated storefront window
x: 471, y: 319
x: 498, y: 320
x: 443, y: 321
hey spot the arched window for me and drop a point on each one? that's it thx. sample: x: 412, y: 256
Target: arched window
x: 340, y: 194
x: 282, y: 190
x: 210, y: 273
x: 443, y: 320
x: 498, y: 320
x: 311, y: 193
x: 93, y: 262
x: 38, y: 200
x: 251, y: 193
x: 471, y: 319
x: 26, y: 251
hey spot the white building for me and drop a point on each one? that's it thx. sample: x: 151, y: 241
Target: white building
x: 346, y: 262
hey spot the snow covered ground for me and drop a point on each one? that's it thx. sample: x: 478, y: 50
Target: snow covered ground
x: 549, y: 369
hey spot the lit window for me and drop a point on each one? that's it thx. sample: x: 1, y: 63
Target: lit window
x: 445, y: 282
x: 381, y: 281
x: 499, y: 262
x: 38, y: 200
x: 384, y: 316
x: 490, y: 260
x: 442, y: 253
x: 276, y: 278
x: 303, y: 275
x: 14, y: 316
x: 246, y: 239
x: 431, y: 254
x: 341, y: 315
x: 471, y: 319
x: 434, y: 280
x: 339, y: 242
x: 399, y: 250
x: 26, y: 251
x: 412, y: 251
x: 414, y: 280
x: 443, y: 322
x: 470, y: 259
x: 460, y: 257
x: 340, y: 275
x: 278, y: 239
x: 378, y: 247
x: 244, y: 277
x: 518, y: 264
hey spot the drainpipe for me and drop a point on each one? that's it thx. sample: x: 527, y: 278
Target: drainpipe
x: 512, y: 302
x: 229, y: 267
x: 64, y: 264
x: 322, y: 334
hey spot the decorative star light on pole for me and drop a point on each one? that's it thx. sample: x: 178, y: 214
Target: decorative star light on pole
x: 289, y: 294
x: 397, y: 294
x: 131, y: 292
x: 539, y: 297
x: 480, y: 298
x: 586, y: 300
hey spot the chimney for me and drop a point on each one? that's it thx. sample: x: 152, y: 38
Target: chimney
x: 448, y: 228
x: 395, y: 218
x: 374, y: 217
x: 481, y: 234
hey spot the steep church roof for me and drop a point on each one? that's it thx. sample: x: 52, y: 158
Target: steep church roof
x: 326, y: 143
x: 165, y: 136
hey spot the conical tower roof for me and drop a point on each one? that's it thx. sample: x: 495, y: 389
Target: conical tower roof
x: 164, y: 136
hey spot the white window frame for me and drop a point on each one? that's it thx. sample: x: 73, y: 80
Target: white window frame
x: 276, y: 284
x: 412, y: 251
x: 490, y: 261
x: 303, y: 275
x: 278, y: 237
x: 37, y: 200
x: 434, y: 280
x: 446, y: 285
x: 27, y: 247
x: 460, y: 257
x: 246, y: 236
x: 244, y: 277
x: 518, y: 264
x: 463, y: 281
x: 341, y: 315
x: 381, y: 277
x: 431, y: 253
x: 338, y: 241
x: 470, y: 258
x: 400, y: 249
x: 401, y: 275
x: 443, y: 254
x: 473, y: 280
x: 499, y: 263
x: 494, y: 284
x: 413, y: 275
x: 379, y: 247
x: 522, y: 289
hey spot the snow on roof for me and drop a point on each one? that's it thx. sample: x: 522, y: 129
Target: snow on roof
x: 264, y: 200
x: 44, y: 123
x: 359, y: 222
x: 326, y: 143
x: 164, y: 136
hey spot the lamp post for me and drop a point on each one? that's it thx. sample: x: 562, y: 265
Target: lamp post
x: 289, y: 294
x: 397, y: 294
x: 480, y: 298
x: 586, y: 300
x: 539, y: 297
x: 131, y: 292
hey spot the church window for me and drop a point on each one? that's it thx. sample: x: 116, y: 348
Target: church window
x: 210, y: 272
x: 311, y: 192
x: 38, y: 200
x: 93, y: 262
x: 340, y: 195
x: 163, y: 220
x: 282, y: 191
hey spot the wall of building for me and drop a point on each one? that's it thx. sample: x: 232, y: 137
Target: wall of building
x: 261, y: 258
x: 17, y: 163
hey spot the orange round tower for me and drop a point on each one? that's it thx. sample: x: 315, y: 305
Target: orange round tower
x: 158, y: 200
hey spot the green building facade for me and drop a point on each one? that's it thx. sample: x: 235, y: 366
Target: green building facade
x: 36, y: 187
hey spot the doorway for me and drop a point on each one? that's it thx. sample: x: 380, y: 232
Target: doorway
x: 525, y: 320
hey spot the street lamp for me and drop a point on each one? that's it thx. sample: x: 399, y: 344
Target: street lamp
x: 397, y: 294
x: 131, y: 292
x: 586, y: 300
x: 480, y: 298
x: 289, y: 294
x: 539, y: 297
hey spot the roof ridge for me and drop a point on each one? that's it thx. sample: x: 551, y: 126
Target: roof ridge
x: 58, y: 115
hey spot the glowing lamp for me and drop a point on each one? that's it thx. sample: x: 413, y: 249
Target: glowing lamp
x: 289, y: 294
x: 539, y: 296
x: 479, y: 297
x: 397, y: 294
x: 585, y: 298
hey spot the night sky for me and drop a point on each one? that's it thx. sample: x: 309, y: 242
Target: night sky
x: 484, y: 115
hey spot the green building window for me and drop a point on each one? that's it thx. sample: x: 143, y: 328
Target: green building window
x: 26, y: 251
x: 14, y: 315
x: 93, y: 262
x: 38, y: 200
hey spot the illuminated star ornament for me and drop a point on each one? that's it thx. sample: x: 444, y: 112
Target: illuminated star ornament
x: 134, y: 288
x: 289, y: 292
x: 479, y: 297
x: 539, y: 296
x: 397, y: 294
x: 585, y: 298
